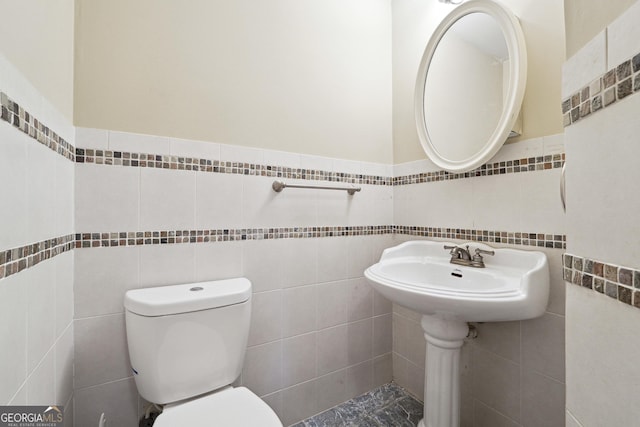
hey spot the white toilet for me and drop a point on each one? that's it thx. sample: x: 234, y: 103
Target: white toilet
x: 187, y: 345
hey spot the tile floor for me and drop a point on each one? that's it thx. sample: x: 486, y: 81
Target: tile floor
x: 387, y: 406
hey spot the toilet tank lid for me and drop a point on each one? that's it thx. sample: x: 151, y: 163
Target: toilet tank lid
x: 185, y: 298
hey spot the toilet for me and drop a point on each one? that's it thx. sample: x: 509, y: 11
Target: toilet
x: 187, y: 345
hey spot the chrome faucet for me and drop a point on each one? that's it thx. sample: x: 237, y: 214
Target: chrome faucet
x: 461, y: 256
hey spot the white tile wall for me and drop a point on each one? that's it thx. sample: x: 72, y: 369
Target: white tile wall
x: 602, y: 198
x: 586, y: 65
x: 610, y: 136
x: 623, y: 36
x: 309, y: 294
x: 318, y: 331
x: 36, y: 358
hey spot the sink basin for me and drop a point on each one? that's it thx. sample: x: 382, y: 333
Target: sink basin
x: 514, y: 285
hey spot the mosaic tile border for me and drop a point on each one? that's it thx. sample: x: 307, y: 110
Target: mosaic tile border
x: 15, y: 260
x: 12, y: 113
x: 615, y: 281
x: 139, y: 238
x: 175, y: 162
x: 616, y: 84
x: 530, y: 164
x: 551, y: 241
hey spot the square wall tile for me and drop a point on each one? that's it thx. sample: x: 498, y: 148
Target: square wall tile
x: 41, y: 384
x: 101, y: 352
x: 586, y: 65
x: 219, y: 260
x: 41, y: 192
x: 543, y: 400
x: 41, y: 325
x: 198, y: 149
x: 218, y: 200
x: 266, y: 317
x: 167, y: 199
x: 97, y: 139
x: 107, y: 198
x: 117, y: 400
x: 299, y: 359
x: 261, y: 264
x: 500, y: 338
x: 543, y: 344
x: 13, y: 370
x: 382, y: 335
x: 332, y: 303
x: 332, y: 259
x: 331, y: 390
x: 13, y: 169
x: 359, y: 341
x: 496, y: 383
x: 382, y: 370
x: 332, y: 349
x: 623, y: 36
x: 299, y: 314
x: 167, y: 264
x: 138, y: 143
x: 64, y: 296
x: 64, y: 367
x: 359, y: 379
x: 484, y: 416
x: 300, y: 262
x: 299, y: 402
x: 359, y: 299
x: 262, y: 372
x: 102, y: 277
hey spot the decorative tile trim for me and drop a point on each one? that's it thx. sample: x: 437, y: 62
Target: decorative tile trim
x: 530, y: 164
x: 555, y: 241
x: 614, y: 281
x: 173, y: 162
x: 17, y: 116
x: 15, y: 260
x: 13, y: 113
x: 139, y: 238
x: 614, y: 85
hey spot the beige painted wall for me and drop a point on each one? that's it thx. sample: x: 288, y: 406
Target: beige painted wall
x: 543, y: 25
x: 305, y: 76
x: 37, y: 38
x: 585, y: 19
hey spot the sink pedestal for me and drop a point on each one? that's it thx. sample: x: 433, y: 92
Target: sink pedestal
x: 442, y: 374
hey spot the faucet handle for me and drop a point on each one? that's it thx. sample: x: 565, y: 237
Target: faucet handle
x: 477, y: 260
x: 482, y: 251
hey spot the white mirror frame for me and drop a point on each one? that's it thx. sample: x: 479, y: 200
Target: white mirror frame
x: 516, y: 46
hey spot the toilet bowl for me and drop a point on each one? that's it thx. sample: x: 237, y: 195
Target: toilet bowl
x: 187, y: 345
x: 231, y: 407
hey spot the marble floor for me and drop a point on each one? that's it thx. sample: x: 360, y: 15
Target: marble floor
x: 386, y: 406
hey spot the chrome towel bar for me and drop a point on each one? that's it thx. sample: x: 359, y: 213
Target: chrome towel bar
x: 278, y: 186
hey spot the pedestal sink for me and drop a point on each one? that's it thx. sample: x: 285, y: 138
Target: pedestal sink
x: 514, y: 285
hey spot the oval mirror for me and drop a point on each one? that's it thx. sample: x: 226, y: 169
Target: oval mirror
x: 470, y: 85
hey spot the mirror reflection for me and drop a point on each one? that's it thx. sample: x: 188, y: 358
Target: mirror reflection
x: 465, y: 86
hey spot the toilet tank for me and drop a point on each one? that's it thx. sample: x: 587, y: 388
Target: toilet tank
x: 189, y: 339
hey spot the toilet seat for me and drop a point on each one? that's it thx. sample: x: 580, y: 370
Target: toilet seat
x: 231, y: 407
